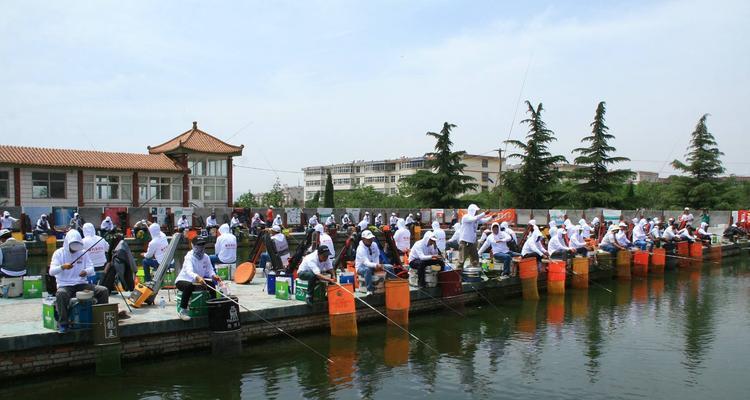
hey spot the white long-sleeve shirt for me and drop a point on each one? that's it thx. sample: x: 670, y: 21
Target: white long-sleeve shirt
x: 532, y: 246
x: 469, y: 225
x: 668, y: 234
x: 421, y: 251
x: 157, y: 247
x: 211, y: 222
x: 367, y: 257
x: 312, y: 264
x: 639, y: 233
x: 557, y: 243
x: 498, y: 242
x: 622, y: 238
x: 655, y: 233
x: 226, y: 246
x: 577, y: 241
x: 7, y: 222
x: 71, y: 276
x: 686, y: 235
x: 194, y: 267
x: 609, y: 238
x: 183, y: 223
x: 326, y: 240
x: 330, y: 220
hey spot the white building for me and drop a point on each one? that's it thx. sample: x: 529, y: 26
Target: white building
x: 385, y: 175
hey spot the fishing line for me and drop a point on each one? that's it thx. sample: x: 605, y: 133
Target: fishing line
x: 428, y: 294
x: 590, y: 280
x: 386, y: 317
x: 270, y: 323
x: 518, y: 102
x: 688, y: 258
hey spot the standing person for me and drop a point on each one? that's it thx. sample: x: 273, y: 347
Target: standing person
x: 367, y: 260
x: 393, y: 221
x: 71, y: 266
x: 686, y: 218
x: 226, y: 247
x: 402, y: 238
x: 105, y: 227
x: 705, y: 217
x: 325, y: 240
x: 316, y: 266
x: 269, y: 216
x: 379, y: 220
x: 13, y: 255
x: 196, y: 270
x: 439, y: 236
x: 42, y: 226
x: 76, y: 223
x: 331, y: 222
x: 155, y: 251
x: 498, y: 243
x: 96, y: 248
x: 183, y: 224
x: 6, y: 222
x: 468, y: 239
x: 423, y: 254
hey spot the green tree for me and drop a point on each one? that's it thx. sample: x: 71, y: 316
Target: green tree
x: 328, y: 198
x: 275, y: 197
x: 443, y: 181
x: 314, y: 202
x: 533, y: 185
x: 599, y: 182
x: 699, y: 189
x: 246, y: 200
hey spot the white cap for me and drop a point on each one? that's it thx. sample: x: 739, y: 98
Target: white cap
x: 623, y: 225
x: 366, y: 234
x: 687, y: 208
x: 276, y: 228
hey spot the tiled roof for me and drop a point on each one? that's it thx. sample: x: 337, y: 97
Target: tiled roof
x: 198, y: 141
x: 47, y: 157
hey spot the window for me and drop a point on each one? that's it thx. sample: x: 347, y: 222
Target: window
x: 393, y: 178
x: 346, y: 169
x: 485, y: 176
x: 342, y: 181
x: 107, y: 187
x: 413, y: 164
x: 208, y: 167
x: 393, y: 190
x: 313, y: 183
x: 314, y: 171
x: 208, y: 189
x: 47, y: 185
x: 159, y: 188
x: 4, y: 184
x: 485, y: 163
x: 375, y: 179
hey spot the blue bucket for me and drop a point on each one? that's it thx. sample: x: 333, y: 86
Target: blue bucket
x: 346, y: 278
x: 271, y: 284
x: 81, y: 315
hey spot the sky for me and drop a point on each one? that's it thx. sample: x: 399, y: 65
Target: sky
x: 304, y: 83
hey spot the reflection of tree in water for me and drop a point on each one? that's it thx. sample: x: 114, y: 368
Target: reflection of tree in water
x: 531, y: 341
x: 497, y: 331
x: 369, y: 360
x: 698, y: 326
x: 443, y: 337
x: 594, y: 338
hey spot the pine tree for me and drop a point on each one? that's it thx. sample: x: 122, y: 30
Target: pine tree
x: 533, y: 185
x: 443, y: 181
x: 703, y: 168
x: 328, y: 197
x: 600, y: 183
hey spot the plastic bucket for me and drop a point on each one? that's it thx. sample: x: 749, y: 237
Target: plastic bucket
x: 223, y: 314
x: 556, y: 277
x: 271, y: 283
x: 341, y: 299
x: 683, y: 249
x: 580, y: 279
x: 450, y: 283
x: 640, y: 263
x: 659, y: 258
x: 527, y: 268
x: 696, y: 251
x: 397, y: 295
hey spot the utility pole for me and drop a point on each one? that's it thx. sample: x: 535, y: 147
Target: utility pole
x: 498, y: 183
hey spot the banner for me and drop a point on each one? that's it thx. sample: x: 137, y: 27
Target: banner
x: 558, y: 216
x: 507, y: 215
x: 293, y: 216
x: 438, y: 214
x: 611, y: 215
x: 743, y: 218
x: 324, y: 213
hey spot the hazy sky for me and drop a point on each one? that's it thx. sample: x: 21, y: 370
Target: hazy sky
x: 304, y: 83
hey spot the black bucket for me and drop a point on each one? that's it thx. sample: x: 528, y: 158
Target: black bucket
x: 223, y: 314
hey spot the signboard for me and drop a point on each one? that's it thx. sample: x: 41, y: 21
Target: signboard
x: 324, y: 213
x: 426, y: 216
x: 180, y: 211
x: 507, y: 215
x: 611, y: 215
x: 743, y: 218
x: 558, y: 216
x: 161, y: 215
x: 293, y: 216
x: 110, y: 325
x: 438, y: 214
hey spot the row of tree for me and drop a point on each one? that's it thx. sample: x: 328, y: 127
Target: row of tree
x: 538, y: 183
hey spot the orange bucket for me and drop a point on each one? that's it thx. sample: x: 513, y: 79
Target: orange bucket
x: 245, y: 273
x: 341, y: 299
x: 527, y: 268
x: 580, y: 273
x: 696, y: 251
x: 659, y: 258
x: 556, y: 277
x: 397, y: 294
x: 623, y: 265
x: 640, y: 257
x: 683, y: 249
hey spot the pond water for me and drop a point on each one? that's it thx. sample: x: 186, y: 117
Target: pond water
x: 681, y: 336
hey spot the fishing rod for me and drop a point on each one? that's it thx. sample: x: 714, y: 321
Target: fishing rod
x: 687, y: 258
x: 87, y: 250
x: 428, y: 294
x: 386, y: 317
x: 271, y: 324
x: 594, y: 282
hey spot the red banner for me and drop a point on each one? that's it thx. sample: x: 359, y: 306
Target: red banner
x: 507, y: 215
x: 743, y: 218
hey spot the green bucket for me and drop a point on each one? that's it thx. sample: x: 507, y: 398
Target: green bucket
x: 282, y: 288
x: 197, y: 306
x: 48, y: 314
x: 32, y: 287
x: 222, y: 270
x: 301, y: 288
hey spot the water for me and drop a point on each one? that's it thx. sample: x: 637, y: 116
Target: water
x: 683, y: 336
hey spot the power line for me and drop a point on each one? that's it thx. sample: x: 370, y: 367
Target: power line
x: 267, y: 169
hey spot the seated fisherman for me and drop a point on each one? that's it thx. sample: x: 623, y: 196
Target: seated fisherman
x: 686, y: 233
x: 196, y: 273
x: 183, y: 223
x: 423, y: 254
x: 498, y: 242
x: 610, y: 243
x: 622, y: 236
x: 225, y: 248
x: 13, y: 255
x: 557, y: 248
x: 734, y: 232
x: 140, y: 226
x: 640, y: 236
x: 316, y: 266
x: 367, y: 261
x: 533, y: 246
x: 656, y: 232
x: 578, y: 242
x: 43, y: 226
x: 703, y: 235
x: 71, y: 266
x: 106, y: 226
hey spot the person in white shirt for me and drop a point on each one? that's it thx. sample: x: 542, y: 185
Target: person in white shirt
x: 640, y: 237
x: 485, y: 234
x: 452, y: 243
x: 498, y: 242
x: 557, y: 248
x: 106, y: 226
x: 316, y: 266
x: 402, y: 237
x: 277, y: 221
x: 703, y: 235
x: 533, y: 247
x: 609, y: 242
x: 505, y: 227
x: 686, y: 218
x: 96, y: 246
x: 379, y: 220
x: 468, y: 239
x: 409, y: 221
x: 364, y: 223
x: 154, y: 254
x: 70, y: 266
x: 346, y: 221
x: 235, y: 225
x: 211, y: 221
x: 256, y: 224
x: 686, y: 233
x: 423, y: 254
x: 312, y: 221
x: 656, y: 232
x: 622, y: 236
x: 6, y: 222
x: 226, y: 247
x: 196, y: 273
x: 367, y: 260
x: 331, y: 222
x: 439, y: 236
x: 183, y: 223
x: 670, y: 234
x: 586, y: 228
x: 393, y: 221
x: 577, y: 242
x: 325, y: 239
x: 42, y: 226
x: 281, y: 245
